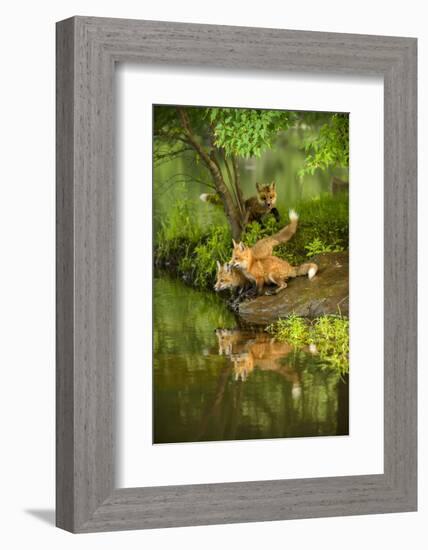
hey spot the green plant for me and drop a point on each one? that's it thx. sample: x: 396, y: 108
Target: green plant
x: 330, y: 334
x: 187, y: 249
x: 255, y: 231
x: 328, y: 337
x: 216, y: 247
x: 317, y: 246
x: 323, y: 226
x: 292, y: 329
x: 247, y: 132
x: 218, y: 137
x: 329, y: 146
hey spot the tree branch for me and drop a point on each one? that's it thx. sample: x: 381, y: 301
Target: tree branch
x: 160, y: 157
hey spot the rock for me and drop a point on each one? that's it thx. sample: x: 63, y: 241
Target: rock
x: 326, y: 293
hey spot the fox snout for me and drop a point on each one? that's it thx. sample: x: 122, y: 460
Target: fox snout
x: 219, y: 286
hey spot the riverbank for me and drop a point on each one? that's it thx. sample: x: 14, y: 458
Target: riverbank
x: 326, y: 294
x: 190, y: 251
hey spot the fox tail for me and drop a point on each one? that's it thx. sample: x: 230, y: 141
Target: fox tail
x: 212, y: 198
x: 288, y: 231
x: 309, y: 269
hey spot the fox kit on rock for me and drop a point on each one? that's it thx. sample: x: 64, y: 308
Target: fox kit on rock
x: 255, y: 207
x: 232, y: 278
x: 270, y: 270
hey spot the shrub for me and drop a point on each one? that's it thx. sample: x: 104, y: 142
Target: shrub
x: 188, y: 250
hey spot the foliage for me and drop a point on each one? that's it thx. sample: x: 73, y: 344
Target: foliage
x: 323, y: 227
x: 247, y: 132
x: 330, y: 334
x: 256, y: 231
x: 317, y: 246
x: 181, y: 217
x: 192, y: 252
x: 186, y: 250
x: 327, y: 336
x: 177, y: 232
x: 216, y: 137
x: 329, y: 146
x: 215, y: 247
x: 292, y: 329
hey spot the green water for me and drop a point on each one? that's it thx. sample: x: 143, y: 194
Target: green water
x: 215, y: 381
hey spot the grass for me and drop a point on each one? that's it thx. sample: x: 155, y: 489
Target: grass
x: 329, y: 334
x: 323, y: 227
x: 191, y: 252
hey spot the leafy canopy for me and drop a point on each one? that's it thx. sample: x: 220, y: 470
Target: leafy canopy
x: 247, y: 132
x: 328, y: 146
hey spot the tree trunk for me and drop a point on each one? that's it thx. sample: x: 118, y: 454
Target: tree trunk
x: 229, y: 206
x: 238, y: 187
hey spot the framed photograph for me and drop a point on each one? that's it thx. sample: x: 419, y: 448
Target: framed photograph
x: 236, y: 274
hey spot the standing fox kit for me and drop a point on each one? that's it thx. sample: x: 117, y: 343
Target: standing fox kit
x: 269, y: 270
x: 255, y: 207
x: 263, y: 203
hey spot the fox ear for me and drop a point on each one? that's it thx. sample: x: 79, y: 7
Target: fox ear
x: 258, y: 186
x: 234, y: 243
x: 272, y: 186
x: 218, y: 265
x: 241, y: 246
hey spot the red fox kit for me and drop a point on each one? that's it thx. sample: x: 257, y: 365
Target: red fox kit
x: 229, y: 278
x: 265, y: 201
x: 255, y: 207
x: 268, y: 270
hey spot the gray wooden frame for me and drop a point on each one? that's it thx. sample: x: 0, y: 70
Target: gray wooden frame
x: 87, y: 50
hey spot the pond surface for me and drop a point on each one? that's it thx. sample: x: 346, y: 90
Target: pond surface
x: 214, y: 380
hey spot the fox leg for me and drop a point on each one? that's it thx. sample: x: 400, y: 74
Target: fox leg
x: 275, y: 212
x: 259, y: 286
x: 246, y: 218
x: 280, y: 282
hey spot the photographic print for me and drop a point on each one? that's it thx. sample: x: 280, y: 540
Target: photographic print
x: 251, y: 285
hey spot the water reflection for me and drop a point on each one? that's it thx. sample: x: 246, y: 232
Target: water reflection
x: 249, y: 350
x: 213, y: 384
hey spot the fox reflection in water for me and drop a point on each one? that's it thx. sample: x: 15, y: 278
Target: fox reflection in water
x: 235, y: 383
x: 261, y: 389
x: 259, y: 350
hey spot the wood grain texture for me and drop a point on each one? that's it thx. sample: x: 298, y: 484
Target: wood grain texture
x: 87, y: 49
x: 64, y: 277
